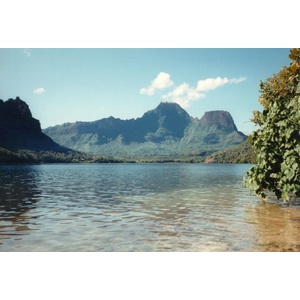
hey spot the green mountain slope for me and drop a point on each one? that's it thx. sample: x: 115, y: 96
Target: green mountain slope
x: 166, y: 131
x: 242, y: 153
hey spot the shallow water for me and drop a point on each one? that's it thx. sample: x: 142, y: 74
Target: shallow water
x: 139, y: 207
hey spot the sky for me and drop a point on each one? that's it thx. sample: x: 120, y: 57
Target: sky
x: 86, y: 84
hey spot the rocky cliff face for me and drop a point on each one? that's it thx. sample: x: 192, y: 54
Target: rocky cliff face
x: 15, y: 115
x: 19, y: 130
x: 167, y: 130
x: 218, y: 118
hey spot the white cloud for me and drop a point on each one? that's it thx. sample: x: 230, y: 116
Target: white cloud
x: 27, y: 52
x: 210, y: 84
x: 237, y: 80
x: 39, y: 91
x: 161, y: 82
x: 183, y: 95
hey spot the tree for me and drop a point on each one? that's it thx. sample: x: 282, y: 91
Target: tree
x: 277, y: 141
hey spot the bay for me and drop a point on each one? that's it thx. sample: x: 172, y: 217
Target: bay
x: 139, y: 207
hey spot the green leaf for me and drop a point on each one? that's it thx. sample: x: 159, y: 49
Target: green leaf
x: 285, y: 196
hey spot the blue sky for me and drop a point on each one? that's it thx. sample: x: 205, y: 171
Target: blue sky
x: 86, y: 84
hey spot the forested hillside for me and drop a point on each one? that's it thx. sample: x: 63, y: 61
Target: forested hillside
x: 164, y: 132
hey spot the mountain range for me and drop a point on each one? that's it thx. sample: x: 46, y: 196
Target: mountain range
x: 166, y: 131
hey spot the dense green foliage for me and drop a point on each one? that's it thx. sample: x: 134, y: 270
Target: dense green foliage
x: 240, y: 154
x: 277, y: 142
x: 37, y: 157
x: 29, y: 156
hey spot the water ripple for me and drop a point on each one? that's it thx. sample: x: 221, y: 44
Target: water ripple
x: 169, y: 207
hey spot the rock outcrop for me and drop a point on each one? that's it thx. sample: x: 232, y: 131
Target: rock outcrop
x: 20, y: 131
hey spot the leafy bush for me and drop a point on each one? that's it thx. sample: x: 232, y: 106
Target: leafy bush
x: 277, y: 142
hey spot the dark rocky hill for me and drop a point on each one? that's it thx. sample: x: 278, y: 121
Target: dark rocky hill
x: 20, y: 131
x: 166, y: 131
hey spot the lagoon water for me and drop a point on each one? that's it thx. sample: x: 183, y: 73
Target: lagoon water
x: 139, y: 207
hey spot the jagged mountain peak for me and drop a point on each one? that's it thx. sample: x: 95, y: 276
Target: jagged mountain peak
x: 15, y: 114
x: 168, y: 119
x: 170, y: 108
x: 19, y: 130
x: 166, y: 130
x: 169, y: 105
x: 19, y: 106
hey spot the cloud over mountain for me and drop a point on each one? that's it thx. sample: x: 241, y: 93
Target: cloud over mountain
x: 210, y: 84
x: 162, y: 81
x: 184, y: 94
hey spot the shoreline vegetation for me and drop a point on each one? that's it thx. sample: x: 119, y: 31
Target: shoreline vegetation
x: 242, y: 153
x: 38, y: 157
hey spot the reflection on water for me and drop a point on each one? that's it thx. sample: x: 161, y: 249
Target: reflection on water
x: 137, y: 207
x: 18, y: 194
x: 277, y: 226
